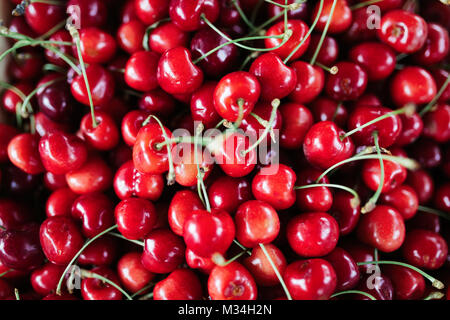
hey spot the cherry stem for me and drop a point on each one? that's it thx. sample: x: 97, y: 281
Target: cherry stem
x: 436, y: 295
x: 292, y: 6
x: 331, y: 185
x: 435, y: 282
x: 20, y: 94
x: 26, y: 102
x: 368, y: 295
x: 243, y: 15
x: 267, y: 23
x: 242, y: 247
x: 336, y: 111
x: 333, y: 70
x: 50, y: 32
x: 118, y: 235
x: 64, y: 57
x: 307, y: 35
x: 247, y: 59
x: 16, y: 293
x: 240, y: 103
x: 324, y: 33
x: 434, y: 211
x: 409, y: 110
x: 364, y: 4
x: 429, y: 106
x: 370, y: 205
x: 277, y: 272
x: 219, y: 260
x: 53, y: 68
x: 75, y: 257
x: 256, y: 10
x: 405, y: 162
x: 148, y: 296
x: 149, y: 29
x: 6, y: 272
x: 137, y: 293
x: 90, y: 274
x: 201, y: 189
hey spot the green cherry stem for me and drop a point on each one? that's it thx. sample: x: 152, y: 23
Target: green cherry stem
x: 335, y: 111
x: 200, y: 173
x: 139, y: 292
x: 368, y: 295
x: 364, y: 4
x: 324, y: 33
x: 436, y: 295
x: 6, y: 272
x: 148, y: 296
x: 64, y: 57
x: 331, y: 185
x: 90, y: 274
x: 429, y: 106
x: 242, y: 247
x: 118, y: 235
x: 266, y: 23
x: 333, y: 70
x: 16, y: 293
x: 149, y: 29
x: 219, y: 260
x: 434, y: 211
x: 243, y: 15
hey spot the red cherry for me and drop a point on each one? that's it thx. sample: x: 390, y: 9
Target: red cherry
x: 23, y: 152
x: 94, y: 176
x: 376, y: 58
x: 101, y: 83
x: 42, y: 17
x: 437, y: 123
x: 186, y: 14
x: 394, y: 175
x: 412, y: 127
x: 45, y: 125
x: 313, y: 279
x: 60, y: 239
x: 297, y: 119
x: 140, y: 71
x: 436, y: 47
x: 207, y: 233
x: 181, y: 284
x: 231, y: 282
x: 325, y: 109
x: 96, y: 45
x: 132, y: 273
x: 312, y: 234
x: 91, y: 13
x: 299, y: 30
x: 227, y: 193
x: 427, y: 152
x: 52, y: 57
x: 328, y: 53
x: 167, y: 36
x: 26, y: 66
x: 274, y: 184
x: 131, y: 124
x: 408, y: 284
x: 422, y: 183
x: 157, y: 102
x: 348, y: 84
x: 151, y: 11
x: 310, y: 82
x: 440, y: 76
x: 382, y: 228
x: 182, y: 205
x: 412, y: 85
x: 404, y: 31
x: 95, y: 289
x: 233, y: 88
x: 317, y: 199
x: 442, y: 197
x: 13, y: 215
x: 347, y: 272
x: 104, y: 136
x: 254, y: 129
x: 8, y: 133
x: 202, y: 105
x: 45, y: 279
x: 101, y: 252
x: 185, y: 164
x: 341, y: 19
x: 425, y: 249
x: 177, y: 74
x: 346, y: 211
x: 10, y: 99
x: 130, y: 36
x: 163, y: 251
x: 380, y: 287
x: 135, y: 217
x: 404, y: 199
x: 129, y: 182
x: 59, y: 203
x: 359, y: 30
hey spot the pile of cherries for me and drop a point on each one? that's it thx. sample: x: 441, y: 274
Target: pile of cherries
x: 352, y: 201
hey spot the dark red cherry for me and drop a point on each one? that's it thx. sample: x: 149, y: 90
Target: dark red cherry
x: 187, y: 14
x: 255, y: 129
x: 425, y: 249
x: 317, y: 199
x: 437, y: 123
x: 93, y: 176
x: 440, y: 76
x: 382, y: 228
x: 347, y: 272
x: 53, y: 57
x: 13, y: 215
x: 23, y: 152
x: 404, y: 199
x: 310, y: 82
x: 181, y: 284
x: 177, y: 74
x: 313, y: 279
x: 274, y: 184
x: 325, y: 109
x: 63, y: 296
x: 135, y: 217
x: 163, y: 251
x: 341, y: 19
x: 101, y: 252
x: 19, y: 24
x: 297, y: 119
x: 412, y: 126
x: 130, y: 36
x: 277, y: 80
x: 227, y: 193
x: 101, y: 83
x: 17, y: 181
x: 348, y: 84
x: 408, y: 284
x: 151, y: 11
x: 56, y: 102
x: 404, y: 31
x: 422, y: 183
x: 436, y: 46
x: 89, y: 13
x: 359, y: 30
x: 323, y: 146
x: 103, y: 136
x: 360, y: 253
x: 236, y: 88
x: 378, y: 59
x: 427, y: 152
x: 312, y: 234
x: 427, y: 221
x: 379, y: 286
x: 132, y: 273
x: 346, y: 211
x: 208, y: 233
x: 442, y: 197
x: 167, y: 36
x: 412, y: 85
x: 8, y: 133
x: 140, y: 71
x: 96, y: 45
x: 231, y: 282
x: 42, y: 17
x: 95, y: 289
x: 301, y: 12
x: 202, y: 105
x: 394, y: 174
x: 157, y: 102
x: 25, y: 65
x: 328, y: 53
x: 45, y: 279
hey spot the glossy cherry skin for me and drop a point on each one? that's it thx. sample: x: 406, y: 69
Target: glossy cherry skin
x: 188, y: 160
x: 167, y: 36
x: 207, y: 233
x: 312, y: 234
x: 437, y: 123
x: 95, y: 289
x: 412, y: 127
x: 20, y: 249
x: 310, y: 82
x: 422, y: 183
x: 408, y: 284
x: 183, y: 203
x: 346, y: 211
x: 404, y: 31
x: 394, y: 175
x: 101, y: 252
x: 323, y: 146
x: 60, y: 239
x: 412, y: 85
x: 347, y: 271
x: 157, y: 102
x: 135, y: 217
x: 94, y: 176
x: 328, y: 53
x: 231, y: 282
x: 425, y: 249
x: 202, y: 105
x: 26, y: 66
x: 440, y: 76
x: 23, y: 153
x: 297, y: 119
x: 187, y: 14
x: 41, y: 17
x: 101, y: 83
x: 260, y: 267
x: 104, y: 136
x: 96, y: 45
x: 140, y: 71
x: 427, y: 152
x: 342, y: 16
x: 381, y: 287
x: 442, y: 197
x: 151, y: 11
x: 378, y: 59
x: 227, y: 193
x: 436, y: 46
x: 348, y: 84
x: 276, y: 79
x: 275, y: 185
x: 131, y: 124
x: 13, y: 215
x: 404, y: 199
x: 313, y: 279
x: 146, y: 157
x: 129, y: 182
x: 130, y: 36
x: 382, y: 228
x: 233, y: 87
x: 45, y: 279
x: 8, y: 133
x: 221, y: 61
x: 254, y: 129
x: 56, y: 102
x: 91, y: 14
x: 10, y: 99
x: 181, y: 284
x: 132, y: 273
x: 195, y: 261
x: 61, y: 152
x: 45, y: 125
x: 299, y: 30
x: 52, y: 57
x: 18, y: 182
x: 177, y: 74
x: 163, y: 251
x: 59, y: 203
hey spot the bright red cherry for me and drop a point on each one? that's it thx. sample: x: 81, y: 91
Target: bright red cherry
x: 382, y: 228
x: 378, y: 59
x: 10, y: 99
x: 140, y: 71
x: 183, y: 203
x: 348, y: 84
x: 104, y: 136
x: 130, y: 36
x: 135, y: 217
x: 313, y: 279
x: 202, y: 105
x: 347, y: 272
x: 312, y: 234
x: 187, y: 14
x: 131, y: 124
x: 59, y: 203
x: 297, y: 119
x: 310, y: 82
x: 42, y: 17
x: 167, y: 36
x: 52, y: 57
x: 96, y: 45
x: 408, y: 284
x: 95, y: 289
x: 195, y: 261
x: 341, y: 19
x: 394, y: 174
x: 227, y: 193
x: 186, y: 171
x: 45, y: 279
x: 328, y: 53
x: 436, y: 47
x: 181, y: 284
x: 101, y: 252
x: 151, y: 11
x: 23, y: 152
x: 93, y: 176
x: 231, y: 282
x: 404, y: 199
x: 91, y: 13
x: 157, y: 102
x: 132, y: 273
